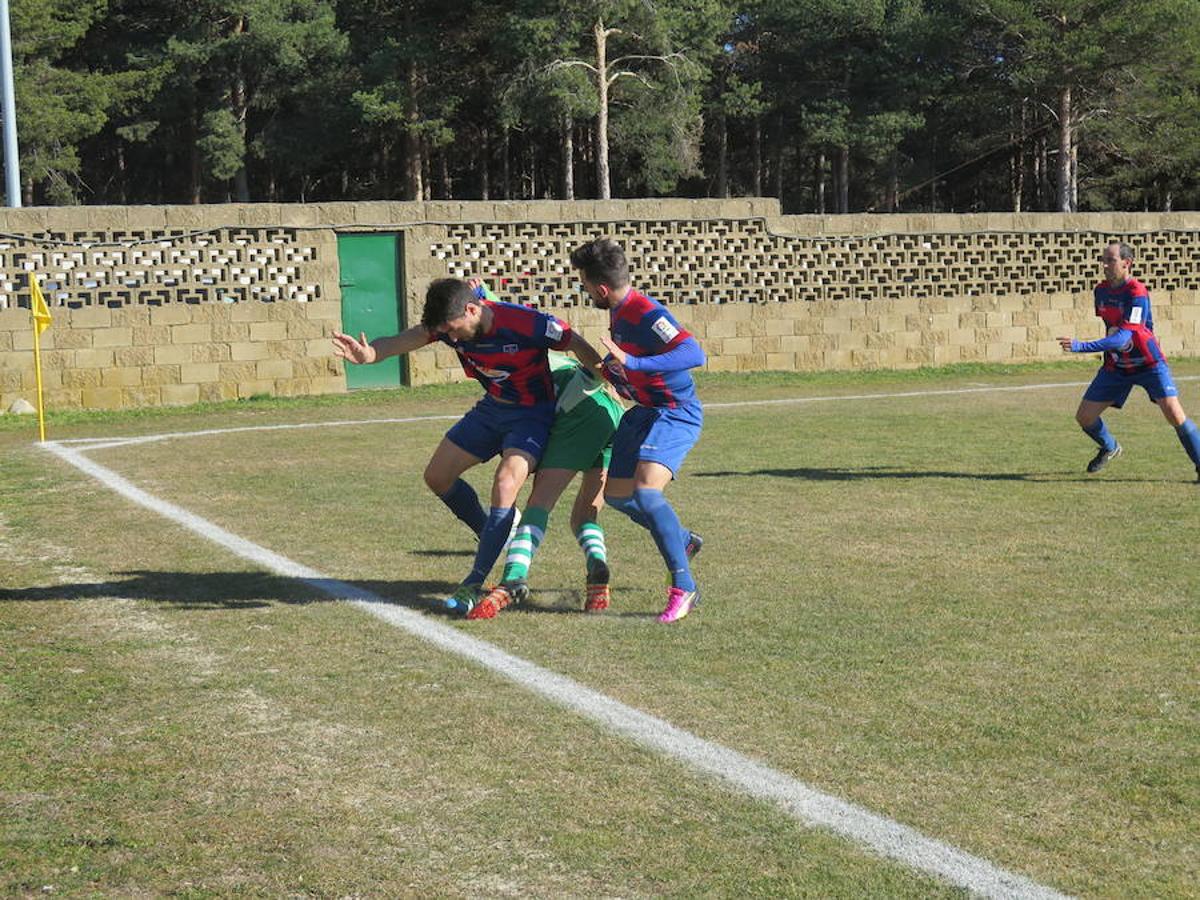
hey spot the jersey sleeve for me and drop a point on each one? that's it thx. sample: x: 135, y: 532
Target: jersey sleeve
x: 1118, y: 340
x: 1139, y: 309
x: 552, y: 332
x: 663, y: 332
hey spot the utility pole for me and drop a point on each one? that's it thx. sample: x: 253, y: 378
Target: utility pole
x: 12, y: 162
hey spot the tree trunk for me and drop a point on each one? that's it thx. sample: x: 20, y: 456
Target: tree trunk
x: 122, y: 174
x: 777, y: 172
x: 1016, y: 184
x: 1075, y: 176
x: 567, y: 152
x: 722, y: 156
x: 532, y: 170
x: 1042, y: 169
x: 483, y: 158
x: 414, y: 186
x: 602, y: 175
x: 1065, y: 138
x: 756, y: 179
x: 194, y: 164
x: 843, y: 180
x: 893, y: 193
x: 239, y: 104
x: 444, y: 171
x: 819, y: 184
x: 426, y: 171
x: 933, y: 198
x: 505, y: 167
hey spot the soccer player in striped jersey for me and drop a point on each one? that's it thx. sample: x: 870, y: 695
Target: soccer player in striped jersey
x: 580, y: 443
x: 1132, y: 358
x: 504, y: 347
x: 649, y: 362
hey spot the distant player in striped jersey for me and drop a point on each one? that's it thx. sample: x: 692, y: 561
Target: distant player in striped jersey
x: 580, y: 442
x: 649, y: 362
x: 503, y: 346
x: 1132, y: 357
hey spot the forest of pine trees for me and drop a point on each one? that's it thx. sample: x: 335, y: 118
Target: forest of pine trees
x: 829, y: 105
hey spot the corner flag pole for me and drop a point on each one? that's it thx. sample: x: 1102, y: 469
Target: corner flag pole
x: 12, y: 162
x: 40, y: 316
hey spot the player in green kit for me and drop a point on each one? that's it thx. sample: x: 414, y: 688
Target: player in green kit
x: 580, y: 442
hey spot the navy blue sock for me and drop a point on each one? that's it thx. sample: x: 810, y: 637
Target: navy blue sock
x: 668, y: 534
x: 464, y: 503
x: 491, y: 542
x: 1189, y: 436
x: 629, y: 506
x: 1101, y: 435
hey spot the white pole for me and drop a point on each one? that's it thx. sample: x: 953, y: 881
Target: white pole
x: 12, y: 162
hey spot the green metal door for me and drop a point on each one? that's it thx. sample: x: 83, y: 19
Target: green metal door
x: 372, y: 279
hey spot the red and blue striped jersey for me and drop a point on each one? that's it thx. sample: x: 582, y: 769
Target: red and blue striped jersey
x: 641, y: 326
x: 510, y: 360
x: 1128, y: 308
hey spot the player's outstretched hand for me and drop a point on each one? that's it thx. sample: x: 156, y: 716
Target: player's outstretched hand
x: 1065, y: 343
x: 616, y: 352
x: 356, y: 351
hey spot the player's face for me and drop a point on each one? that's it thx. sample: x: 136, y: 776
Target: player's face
x: 1116, y: 270
x: 466, y: 327
x: 601, y: 294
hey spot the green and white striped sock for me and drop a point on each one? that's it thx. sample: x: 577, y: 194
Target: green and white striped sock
x: 591, y: 539
x: 524, y: 544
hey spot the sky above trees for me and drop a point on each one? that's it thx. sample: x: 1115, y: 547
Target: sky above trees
x: 830, y: 105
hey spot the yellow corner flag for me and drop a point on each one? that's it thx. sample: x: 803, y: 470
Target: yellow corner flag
x: 41, y: 321
x: 41, y: 312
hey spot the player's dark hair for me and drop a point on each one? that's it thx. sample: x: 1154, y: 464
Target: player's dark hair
x: 445, y: 299
x: 602, y: 261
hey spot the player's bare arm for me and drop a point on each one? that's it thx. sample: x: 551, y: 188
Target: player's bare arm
x: 363, y: 352
x: 585, y: 352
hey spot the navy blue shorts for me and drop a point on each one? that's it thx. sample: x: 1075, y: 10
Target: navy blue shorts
x: 1113, y: 387
x: 491, y: 427
x: 655, y: 434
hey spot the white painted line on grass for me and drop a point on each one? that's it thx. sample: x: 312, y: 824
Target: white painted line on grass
x: 942, y: 392
x: 805, y: 804
x: 106, y: 443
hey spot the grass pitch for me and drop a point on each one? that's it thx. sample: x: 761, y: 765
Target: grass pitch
x: 920, y: 604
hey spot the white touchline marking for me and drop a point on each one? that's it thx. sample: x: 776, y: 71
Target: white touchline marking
x: 945, y: 392
x: 807, y: 805
x: 106, y: 443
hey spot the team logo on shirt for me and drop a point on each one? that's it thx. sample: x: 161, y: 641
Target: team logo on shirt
x: 511, y: 348
x: 554, y: 330
x: 494, y: 374
x: 1135, y: 316
x: 665, y: 330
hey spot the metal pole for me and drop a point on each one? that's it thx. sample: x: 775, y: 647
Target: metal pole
x: 12, y: 162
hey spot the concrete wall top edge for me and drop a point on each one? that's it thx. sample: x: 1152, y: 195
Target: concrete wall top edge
x: 371, y: 214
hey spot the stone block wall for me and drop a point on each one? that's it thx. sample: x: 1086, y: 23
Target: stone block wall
x: 164, y: 305
x: 102, y: 358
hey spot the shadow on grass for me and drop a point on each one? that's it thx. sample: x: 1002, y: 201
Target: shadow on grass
x: 227, y: 590
x: 883, y: 472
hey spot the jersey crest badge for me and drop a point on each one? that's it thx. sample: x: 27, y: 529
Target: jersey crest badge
x: 554, y: 330
x: 665, y: 330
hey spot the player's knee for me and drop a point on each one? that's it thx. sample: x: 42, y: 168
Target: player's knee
x: 437, y: 481
x: 508, y: 484
x: 1085, y: 419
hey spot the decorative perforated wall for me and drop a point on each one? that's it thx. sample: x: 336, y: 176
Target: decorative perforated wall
x: 160, y: 305
x: 744, y: 261
x: 113, y: 269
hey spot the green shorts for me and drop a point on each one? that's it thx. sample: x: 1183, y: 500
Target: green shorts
x: 581, y: 439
